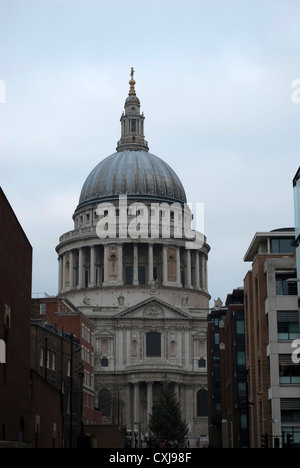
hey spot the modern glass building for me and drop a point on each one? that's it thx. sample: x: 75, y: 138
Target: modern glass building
x: 296, y: 183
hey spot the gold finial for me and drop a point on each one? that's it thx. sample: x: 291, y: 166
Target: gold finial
x: 132, y: 82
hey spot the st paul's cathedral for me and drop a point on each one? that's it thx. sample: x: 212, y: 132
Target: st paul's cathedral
x: 134, y: 269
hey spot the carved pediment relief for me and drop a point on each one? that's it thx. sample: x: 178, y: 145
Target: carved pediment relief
x: 153, y: 309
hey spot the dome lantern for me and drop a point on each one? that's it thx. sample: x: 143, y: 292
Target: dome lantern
x: 132, y: 122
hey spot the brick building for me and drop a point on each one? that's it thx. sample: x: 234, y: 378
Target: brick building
x: 65, y: 317
x: 15, y: 305
x: 227, y: 382
x: 216, y: 374
x: 25, y: 419
x: 272, y: 323
x: 234, y: 388
x: 51, y: 361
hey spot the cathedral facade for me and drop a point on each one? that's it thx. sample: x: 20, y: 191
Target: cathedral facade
x: 136, y: 268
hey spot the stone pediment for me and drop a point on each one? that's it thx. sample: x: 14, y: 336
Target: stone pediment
x: 104, y: 333
x: 153, y: 309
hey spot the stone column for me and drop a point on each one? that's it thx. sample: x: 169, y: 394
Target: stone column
x: 136, y: 403
x: 60, y: 273
x: 149, y: 400
x: 71, y: 272
x: 165, y: 266
x: 204, y: 261
x: 202, y: 270
x: 64, y: 271
x: 189, y: 403
x: 92, y: 267
x: 188, y: 282
x: 120, y: 264
x: 80, y: 269
x: 135, y: 264
x: 105, y: 282
x: 176, y: 390
x: 150, y: 263
x: 197, y: 270
x: 178, y: 278
x: 128, y: 415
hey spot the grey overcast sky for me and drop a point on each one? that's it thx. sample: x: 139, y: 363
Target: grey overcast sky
x: 214, y: 78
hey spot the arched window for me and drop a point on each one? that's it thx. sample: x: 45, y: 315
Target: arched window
x: 153, y: 344
x: 202, y: 403
x: 104, y: 402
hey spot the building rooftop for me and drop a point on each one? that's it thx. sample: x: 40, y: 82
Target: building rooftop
x: 262, y: 242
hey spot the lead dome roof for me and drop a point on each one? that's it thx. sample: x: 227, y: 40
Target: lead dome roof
x: 138, y: 174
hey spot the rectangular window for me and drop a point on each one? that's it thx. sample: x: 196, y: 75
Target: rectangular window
x: 133, y: 125
x: 283, y: 287
x: 242, y: 389
x: 288, y: 325
x: 244, y: 421
x: 240, y: 327
x: 53, y: 361
x: 153, y: 344
x: 241, y: 358
x: 282, y: 245
x: 289, y: 373
x: 43, y: 309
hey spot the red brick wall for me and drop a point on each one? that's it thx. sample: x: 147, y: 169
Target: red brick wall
x: 15, y: 292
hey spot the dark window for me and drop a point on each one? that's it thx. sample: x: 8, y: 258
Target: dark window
x: 284, y: 288
x: 240, y: 327
x: 133, y: 125
x: 104, y: 362
x: 104, y: 402
x: 142, y: 275
x: 128, y: 275
x: 282, y: 245
x: 288, y: 325
x: 153, y: 344
x: 289, y: 373
x: 202, y: 362
x: 202, y: 403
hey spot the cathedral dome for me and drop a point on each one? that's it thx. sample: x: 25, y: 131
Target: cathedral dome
x: 136, y: 173
x: 132, y: 170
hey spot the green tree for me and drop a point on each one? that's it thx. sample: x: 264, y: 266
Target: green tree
x: 166, y: 421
